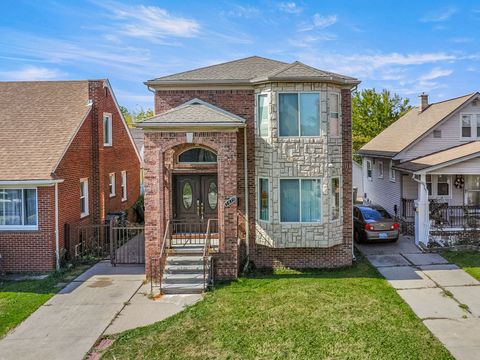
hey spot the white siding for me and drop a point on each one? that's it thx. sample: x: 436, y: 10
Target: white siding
x: 450, y: 136
x: 382, y: 192
x: 469, y: 167
x: 357, y: 179
x: 410, y: 187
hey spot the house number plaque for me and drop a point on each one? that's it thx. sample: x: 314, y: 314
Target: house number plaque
x: 230, y: 200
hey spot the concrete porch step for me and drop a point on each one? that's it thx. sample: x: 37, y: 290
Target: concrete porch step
x: 185, y: 260
x: 183, y: 288
x: 185, y: 269
x: 187, y: 249
x: 183, y: 278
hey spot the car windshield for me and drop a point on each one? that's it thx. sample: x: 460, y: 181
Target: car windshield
x: 374, y: 214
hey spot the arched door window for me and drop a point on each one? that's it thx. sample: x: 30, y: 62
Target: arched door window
x: 197, y: 156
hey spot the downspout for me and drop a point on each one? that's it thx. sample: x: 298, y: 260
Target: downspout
x: 247, y: 227
x: 57, y: 241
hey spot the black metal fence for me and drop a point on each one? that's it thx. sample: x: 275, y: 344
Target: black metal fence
x: 458, y: 217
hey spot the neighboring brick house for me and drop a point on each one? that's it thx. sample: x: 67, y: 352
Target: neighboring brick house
x: 290, y: 126
x: 67, y: 158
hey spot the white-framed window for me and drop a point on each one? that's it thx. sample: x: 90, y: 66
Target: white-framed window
x: 84, y: 211
x: 18, y: 209
x: 472, y: 190
x: 334, y: 110
x: 111, y: 184
x: 392, y: 172
x: 369, y: 170
x: 300, y: 200
x: 439, y: 186
x: 262, y: 115
x: 263, y: 199
x: 124, y: 185
x: 299, y: 114
x: 380, y: 169
x: 107, y: 129
x: 335, y: 198
x: 469, y: 126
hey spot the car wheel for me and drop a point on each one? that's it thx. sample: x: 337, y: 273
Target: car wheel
x: 394, y: 240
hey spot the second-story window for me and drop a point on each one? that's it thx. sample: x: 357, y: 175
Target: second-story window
x: 470, y: 126
x: 334, y: 106
x: 124, y: 185
x: 299, y: 114
x: 262, y: 115
x: 107, y: 129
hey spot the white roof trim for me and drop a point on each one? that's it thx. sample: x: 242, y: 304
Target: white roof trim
x: 31, y: 182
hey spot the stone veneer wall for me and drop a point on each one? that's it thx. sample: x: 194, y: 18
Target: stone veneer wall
x: 328, y: 244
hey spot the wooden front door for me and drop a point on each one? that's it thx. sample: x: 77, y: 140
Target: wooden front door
x: 196, y: 198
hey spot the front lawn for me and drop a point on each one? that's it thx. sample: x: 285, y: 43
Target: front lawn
x: 467, y: 260
x: 19, y: 299
x: 345, y: 314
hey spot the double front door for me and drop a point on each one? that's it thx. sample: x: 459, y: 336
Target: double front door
x: 196, y: 198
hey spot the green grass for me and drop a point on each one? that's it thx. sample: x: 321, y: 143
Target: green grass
x: 19, y: 299
x: 344, y: 314
x: 467, y: 260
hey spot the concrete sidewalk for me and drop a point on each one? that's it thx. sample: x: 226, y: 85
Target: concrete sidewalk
x: 69, y: 324
x: 446, y: 298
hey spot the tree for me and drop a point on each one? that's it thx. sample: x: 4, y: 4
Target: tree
x: 132, y: 117
x: 372, y: 112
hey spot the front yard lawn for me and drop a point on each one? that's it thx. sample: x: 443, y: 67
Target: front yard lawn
x: 467, y: 260
x: 344, y: 314
x: 19, y: 299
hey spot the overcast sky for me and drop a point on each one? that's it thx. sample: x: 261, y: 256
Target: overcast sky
x: 406, y: 47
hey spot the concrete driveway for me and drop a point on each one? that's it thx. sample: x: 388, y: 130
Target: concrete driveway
x: 446, y: 298
x: 69, y: 324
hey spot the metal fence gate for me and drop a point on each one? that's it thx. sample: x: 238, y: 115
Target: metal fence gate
x: 127, y: 245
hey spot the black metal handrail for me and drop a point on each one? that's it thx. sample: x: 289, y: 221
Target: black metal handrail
x: 447, y: 216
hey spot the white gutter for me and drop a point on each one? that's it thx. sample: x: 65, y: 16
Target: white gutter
x: 30, y: 182
x: 247, y: 227
x: 57, y: 241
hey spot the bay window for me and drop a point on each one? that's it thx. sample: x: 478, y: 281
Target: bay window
x: 300, y: 200
x: 18, y: 209
x: 263, y: 199
x: 262, y: 115
x: 299, y: 114
x: 335, y: 196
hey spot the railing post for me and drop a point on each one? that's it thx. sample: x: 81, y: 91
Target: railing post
x: 112, y: 243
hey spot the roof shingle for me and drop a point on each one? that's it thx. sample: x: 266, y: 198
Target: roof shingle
x: 37, y: 122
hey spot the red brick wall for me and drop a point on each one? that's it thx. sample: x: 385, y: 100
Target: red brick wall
x: 32, y: 250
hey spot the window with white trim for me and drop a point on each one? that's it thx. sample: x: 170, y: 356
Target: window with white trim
x: 334, y: 107
x: 469, y: 126
x: 111, y: 184
x: 262, y: 114
x: 439, y: 186
x: 124, y: 185
x: 369, y: 170
x: 335, y: 197
x: 380, y: 169
x: 392, y: 172
x: 300, y: 200
x: 472, y: 190
x: 107, y: 129
x: 84, y: 197
x: 263, y: 199
x: 18, y: 209
x: 299, y: 114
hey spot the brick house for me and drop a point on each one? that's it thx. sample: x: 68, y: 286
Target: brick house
x: 263, y: 148
x: 67, y: 158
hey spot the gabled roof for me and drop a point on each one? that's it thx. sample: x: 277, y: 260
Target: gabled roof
x: 411, y: 126
x: 444, y: 157
x: 194, y: 113
x: 38, y: 119
x: 249, y: 71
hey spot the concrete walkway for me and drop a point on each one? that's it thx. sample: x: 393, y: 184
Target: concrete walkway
x: 69, y: 324
x: 446, y: 298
